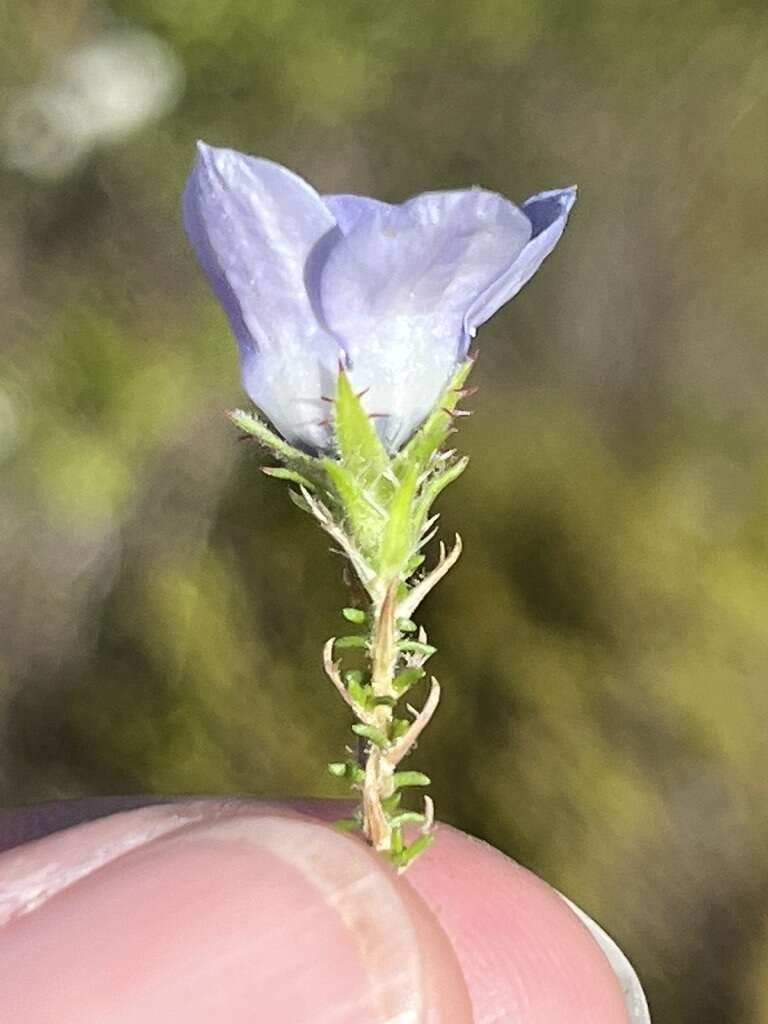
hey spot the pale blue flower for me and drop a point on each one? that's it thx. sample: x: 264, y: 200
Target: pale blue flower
x: 394, y: 293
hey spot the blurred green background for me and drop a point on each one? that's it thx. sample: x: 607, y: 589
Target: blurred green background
x: 604, y: 641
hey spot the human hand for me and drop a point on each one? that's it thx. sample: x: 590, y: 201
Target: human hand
x: 228, y: 911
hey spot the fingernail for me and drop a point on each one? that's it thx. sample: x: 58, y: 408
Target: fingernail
x: 634, y: 997
x: 248, y: 917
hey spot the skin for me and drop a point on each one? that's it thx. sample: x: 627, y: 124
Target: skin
x: 203, y: 910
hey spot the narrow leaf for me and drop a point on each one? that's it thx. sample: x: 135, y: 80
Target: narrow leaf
x: 416, y: 647
x: 410, y: 853
x: 371, y: 733
x: 401, y: 779
x: 349, y: 642
x: 404, y: 680
x: 391, y: 803
x: 407, y: 818
x: 347, y: 824
x: 281, y: 473
x: 360, y: 694
x: 356, y: 615
x: 397, y: 845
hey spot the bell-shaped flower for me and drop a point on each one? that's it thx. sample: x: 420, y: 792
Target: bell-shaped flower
x: 393, y: 293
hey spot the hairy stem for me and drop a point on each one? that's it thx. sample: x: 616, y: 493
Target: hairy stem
x: 378, y: 767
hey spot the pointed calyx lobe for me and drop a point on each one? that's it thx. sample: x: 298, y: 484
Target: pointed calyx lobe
x: 394, y: 291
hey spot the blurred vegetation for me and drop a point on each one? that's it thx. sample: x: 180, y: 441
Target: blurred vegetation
x: 604, y: 643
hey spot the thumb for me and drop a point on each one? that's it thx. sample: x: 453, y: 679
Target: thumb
x: 196, y: 914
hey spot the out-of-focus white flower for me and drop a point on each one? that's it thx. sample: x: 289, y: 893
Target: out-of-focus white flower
x: 98, y: 93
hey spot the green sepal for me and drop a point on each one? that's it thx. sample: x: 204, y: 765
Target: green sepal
x: 435, y: 485
x: 371, y: 733
x: 251, y: 424
x: 360, y: 449
x: 363, y: 518
x: 356, y: 615
x: 397, y: 542
x: 401, y: 779
x: 407, y: 678
x: 437, y: 425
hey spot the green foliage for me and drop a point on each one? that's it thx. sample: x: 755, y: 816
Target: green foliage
x: 401, y: 779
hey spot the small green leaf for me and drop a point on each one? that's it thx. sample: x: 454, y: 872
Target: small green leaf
x: 348, y: 642
x: 407, y: 818
x: 414, y: 563
x: 359, y: 693
x: 337, y: 768
x: 391, y: 803
x: 400, y: 727
x: 299, y: 501
x: 406, y: 626
x: 281, y: 473
x: 347, y: 824
x: 407, y: 678
x: 397, y: 845
x: 384, y: 701
x: 400, y: 779
x: 356, y: 615
x: 371, y: 733
x: 415, y: 647
x: 353, y: 676
x: 410, y: 853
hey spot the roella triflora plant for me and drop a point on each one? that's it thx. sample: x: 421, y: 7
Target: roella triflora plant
x: 354, y: 320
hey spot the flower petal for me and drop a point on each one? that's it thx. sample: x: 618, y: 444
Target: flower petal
x: 547, y: 213
x: 348, y: 209
x: 254, y: 226
x: 397, y: 283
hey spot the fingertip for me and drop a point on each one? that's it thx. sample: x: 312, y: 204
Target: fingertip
x: 524, y: 953
x: 223, y: 916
